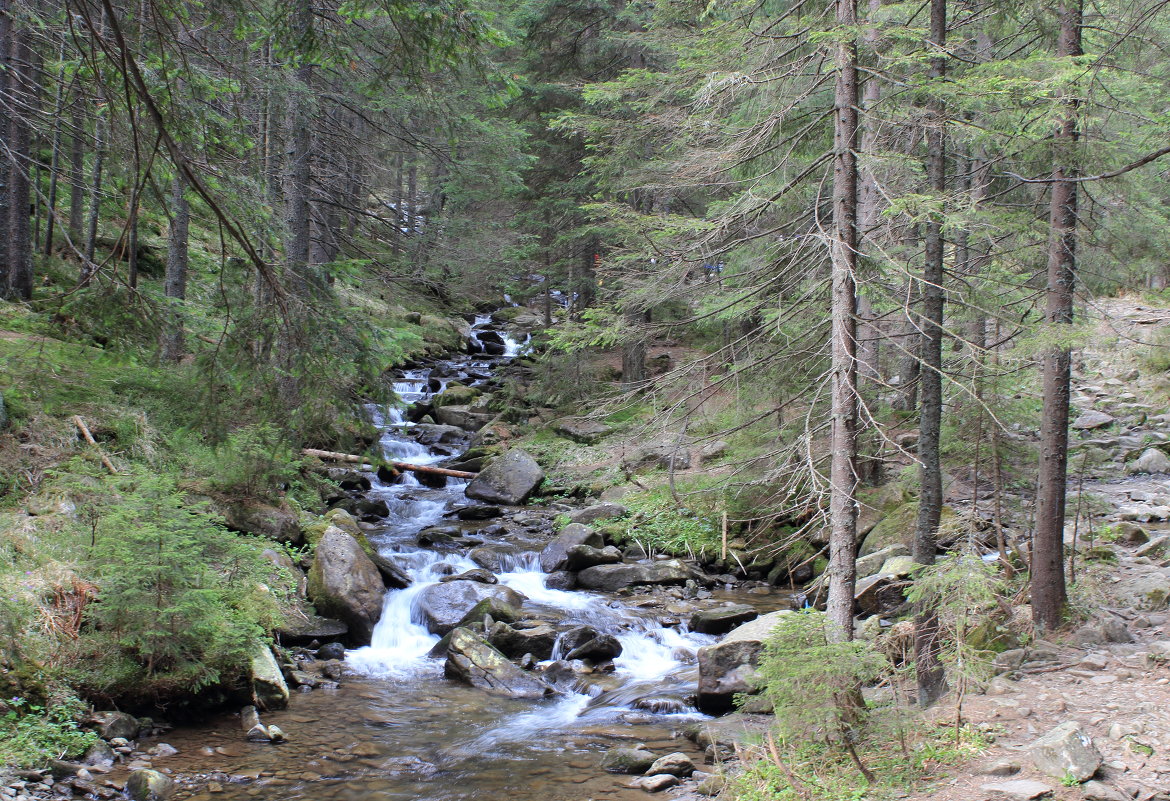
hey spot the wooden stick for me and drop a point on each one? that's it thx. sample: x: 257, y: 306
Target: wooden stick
x: 84, y: 429
x: 723, y: 555
x: 332, y: 456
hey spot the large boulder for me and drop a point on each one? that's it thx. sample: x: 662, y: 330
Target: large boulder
x: 442, y: 607
x: 875, y: 595
x: 1152, y: 460
x: 517, y: 640
x: 1066, y: 751
x: 667, y: 453
x: 470, y: 659
x: 1092, y: 419
x: 555, y: 555
x: 301, y: 627
x: 611, y: 578
x: 112, y: 725
x: 279, y: 523
x: 586, y: 432
x: 345, y: 584
x: 581, y: 557
x: 508, y: 479
x: 269, y: 690
x: 599, y: 649
x: 464, y: 417
x: 721, y: 619
x: 730, y: 666
x: 599, y: 511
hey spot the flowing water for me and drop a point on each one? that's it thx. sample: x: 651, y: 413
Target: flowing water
x: 397, y: 729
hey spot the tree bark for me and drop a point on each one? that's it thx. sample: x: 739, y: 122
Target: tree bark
x: 175, y: 285
x: 21, y: 91
x: 300, y: 140
x: 6, y: 115
x: 928, y: 669
x: 76, y: 173
x: 1049, y: 594
x: 843, y: 481
x: 89, y: 267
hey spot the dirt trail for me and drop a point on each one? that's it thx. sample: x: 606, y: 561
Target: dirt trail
x: 1112, y: 674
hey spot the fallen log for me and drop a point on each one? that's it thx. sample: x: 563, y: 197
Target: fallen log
x: 85, y: 432
x: 332, y: 456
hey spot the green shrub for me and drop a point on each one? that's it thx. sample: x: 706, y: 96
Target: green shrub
x: 181, y: 601
x: 31, y: 734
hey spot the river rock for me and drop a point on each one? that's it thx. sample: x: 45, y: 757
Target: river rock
x: 581, y: 557
x: 721, y: 619
x: 561, y: 580
x: 730, y: 666
x: 599, y: 511
x: 433, y: 434
x: 599, y: 649
x: 1092, y: 419
x: 871, y: 564
x: 611, y: 578
x: 627, y: 760
x: 344, y: 583
x: 586, y: 432
x: 482, y: 575
x: 479, y: 512
x: 149, y: 785
x: 463, y: 417
x: 99, y: 755
x: 507, y: 479
x: 301, y: 628
x: 393, y: 576
x: 1152, y: 460
x: 112, y: 725
x: 268, y: 686
x: 1066, y: 751
x: 655, y: 783
x: 676, y: 764
x: 516, y: 641
x: 555, y: 555
x: 443, y: 607
x: 472, y: 660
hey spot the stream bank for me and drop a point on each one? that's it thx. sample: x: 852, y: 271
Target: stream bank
x: 387, y: 723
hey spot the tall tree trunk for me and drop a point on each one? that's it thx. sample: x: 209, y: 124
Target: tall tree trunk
x: 868, y: 213
x: 634, y: 352
x: 842, y: 569
x: 300, y: 142
x: 6, y: 115
x: 927, y: 666
x: 76, y: 173
x: 55, y: 156
x: 89, y: 266
x: 175, y: 285
x: 22, y: 90
x: 1049, y: 595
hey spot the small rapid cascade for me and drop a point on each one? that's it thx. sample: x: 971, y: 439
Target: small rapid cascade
x: 397, y: 728
x: 653, y: 657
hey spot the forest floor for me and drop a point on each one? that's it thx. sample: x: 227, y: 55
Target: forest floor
x: 1118, y: 691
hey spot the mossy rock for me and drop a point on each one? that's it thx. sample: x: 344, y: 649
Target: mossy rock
x: 456, y: 395
x: 897, y: 528
x: 1100, y: 553
x: 314, y: 527
x: 878, y: 502
x: 992, y: 636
